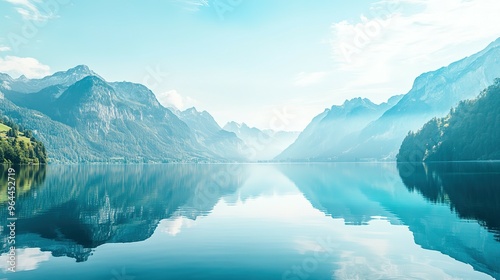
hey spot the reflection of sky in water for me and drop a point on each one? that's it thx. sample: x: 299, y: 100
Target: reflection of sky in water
x: 272, y: 227
x: 382, y: 251
x: 28, y: 259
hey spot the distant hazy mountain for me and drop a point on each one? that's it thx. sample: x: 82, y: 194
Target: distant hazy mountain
x: 330, y: 134
x: 99, y: 121
x: 345, y: 133
x: 470, y: 131
x: 212, y: 136
x: 261, y: 145
x: 433, y: 94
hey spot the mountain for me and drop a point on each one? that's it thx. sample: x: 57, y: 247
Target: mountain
x: 64, y: 78
x: 63, y: 143
x: 330, y: 133
x: 211, y: 135
x: 95, y: 120
x: 433, y: 94
x: 470, y: 131
x: 376, y: 133
x: 261, y: 145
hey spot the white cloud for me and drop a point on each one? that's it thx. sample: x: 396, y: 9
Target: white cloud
x: 305, y: 79
x: 31, y: 9
x: 4, y: 49
x: 172, y: 98
x: 396, y: 41
x: 174, y: 226
x: 28, y: 66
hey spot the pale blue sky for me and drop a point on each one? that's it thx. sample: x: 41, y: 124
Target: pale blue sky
x: 271, y: 64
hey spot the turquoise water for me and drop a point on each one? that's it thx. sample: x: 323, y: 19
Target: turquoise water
x: 283, y: 221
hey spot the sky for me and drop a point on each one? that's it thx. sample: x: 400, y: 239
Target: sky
x: 271, y: 64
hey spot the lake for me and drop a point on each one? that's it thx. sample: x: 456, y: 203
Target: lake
x: 255, y: 221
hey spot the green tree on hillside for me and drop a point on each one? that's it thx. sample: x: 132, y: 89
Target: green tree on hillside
x: 471, y: 131
x: 18, y: 146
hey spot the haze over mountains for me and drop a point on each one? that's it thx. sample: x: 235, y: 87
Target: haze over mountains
x: 330, y: 133
x: 471, y: 131
x: 262, y: 145
x: 212, y: 136
x: 360, y: 130
x: 81, y: 117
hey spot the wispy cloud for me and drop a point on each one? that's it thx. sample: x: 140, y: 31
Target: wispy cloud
x: 32, y: 9
x: 305, y: 79
x: 4, y: 49
x: 172, y: 98
x: 398, y: 39
x: 191, y: 5
x: 28, y: 66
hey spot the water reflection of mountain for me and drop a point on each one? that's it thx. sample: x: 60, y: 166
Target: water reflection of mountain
x: 81, y: 207
x: 27, y: 179
x: 339, y: 190
x: 357, y: 192
x: 471, y: 189
x: 471, y: 192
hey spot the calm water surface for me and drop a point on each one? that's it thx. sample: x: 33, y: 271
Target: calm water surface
x: 289, y: 221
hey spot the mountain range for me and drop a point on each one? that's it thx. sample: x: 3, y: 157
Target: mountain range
x: 261, y: 145
x: 84, y: 118
x: 361, y: 130
x: 110, y: 120
x: 211, y: 135
x: 81, y: 117
x: 330, y: 133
